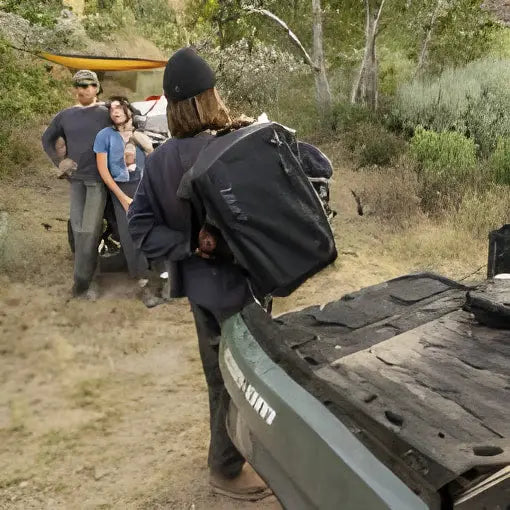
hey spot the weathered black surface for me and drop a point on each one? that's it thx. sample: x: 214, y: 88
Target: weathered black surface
x: 419, y: 380
x: 447, y: 381
x: 371, y: 315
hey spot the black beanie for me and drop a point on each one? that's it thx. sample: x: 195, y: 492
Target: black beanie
x: 187, y: 75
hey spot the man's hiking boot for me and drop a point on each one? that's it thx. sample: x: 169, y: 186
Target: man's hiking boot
x: 80, y: 287
x: 150, y: 293
x: 89, y: 292
x: 150, y: 299
x: 247, y: 486
x: 92, y: 293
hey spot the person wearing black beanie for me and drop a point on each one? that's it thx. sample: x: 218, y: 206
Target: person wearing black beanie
x: 163, y: 227
x: 187, y: 74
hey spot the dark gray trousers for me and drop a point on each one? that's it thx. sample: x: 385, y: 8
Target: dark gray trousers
x: 88, y: 200
x: 224, y: 458
x: 136, y: 262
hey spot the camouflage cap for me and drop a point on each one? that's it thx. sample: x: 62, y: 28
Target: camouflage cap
x: 85, y: 77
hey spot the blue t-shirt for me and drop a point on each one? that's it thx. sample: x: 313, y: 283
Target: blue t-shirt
x: 110, y: 141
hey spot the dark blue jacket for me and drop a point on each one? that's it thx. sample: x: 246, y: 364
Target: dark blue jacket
x: 161, y: 225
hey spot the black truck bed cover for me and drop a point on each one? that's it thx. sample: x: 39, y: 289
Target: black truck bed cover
x: 415, y: 376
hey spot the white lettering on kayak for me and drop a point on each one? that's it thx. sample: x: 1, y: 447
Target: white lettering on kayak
x: 261, y: 407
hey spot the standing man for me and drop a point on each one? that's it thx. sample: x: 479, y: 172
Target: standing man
x: 78, y: 126
x: 163, y: 226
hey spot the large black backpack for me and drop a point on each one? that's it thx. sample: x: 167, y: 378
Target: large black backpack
x: 250, y: 185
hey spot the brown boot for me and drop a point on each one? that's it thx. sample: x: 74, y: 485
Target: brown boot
x: 247, y: 485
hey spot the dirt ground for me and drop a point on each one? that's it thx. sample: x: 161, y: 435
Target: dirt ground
x: 103, y: 404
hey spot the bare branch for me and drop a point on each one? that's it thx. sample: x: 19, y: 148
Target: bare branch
x: 428, y: 37
x: 323, y: 92
x: 379, y: 12
x: 367, y: 14
x: 378, y: 17
x: 365, y: 86
x: 357, y: 84
x: 291, y: 34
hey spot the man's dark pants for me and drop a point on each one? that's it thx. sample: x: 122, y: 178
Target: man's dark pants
x: 224, y: 458
x: 88, y: 200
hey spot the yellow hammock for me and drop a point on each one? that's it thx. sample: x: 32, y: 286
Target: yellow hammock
x: 103, y: 63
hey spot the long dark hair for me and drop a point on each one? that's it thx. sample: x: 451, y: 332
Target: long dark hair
x: 191, y: 116
x: 126, y: 106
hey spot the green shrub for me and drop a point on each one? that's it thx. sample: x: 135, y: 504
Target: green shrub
x: 102, y: 23
x: 347, y: 116
x: 153, y: 19
x: 156, y: 13
x: 447, y: 167
x: 157, y: 22
x: 473, y: 100
x: 499, y: 162
x: 488, y: 117
x: 122, y: 14
x: 35, y: 11
x: 28, y: 93
x: 242, y: 70
x: 373, y: 144
x: 365, y: 135
x: 396, y: 66
x: 447, y: 153
x: 167, y: 37
x: 297, y: 110
x: 100, y: 27
x: 27, y: 87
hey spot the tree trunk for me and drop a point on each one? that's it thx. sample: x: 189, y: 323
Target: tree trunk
x: 428, y: 37
x: 357, y: 94
x: 370, y: 89
x: 316, y: 62
x: 365, y: 90
x: 322, y: 90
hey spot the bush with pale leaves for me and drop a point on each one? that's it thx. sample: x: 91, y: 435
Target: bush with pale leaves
x: 252, y: 75
x: 473, y: 100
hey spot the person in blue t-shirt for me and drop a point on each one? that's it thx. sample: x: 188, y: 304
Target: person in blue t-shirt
x: 120, y: 155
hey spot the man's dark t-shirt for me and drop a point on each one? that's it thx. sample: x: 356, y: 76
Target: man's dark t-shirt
x: 78, y: 126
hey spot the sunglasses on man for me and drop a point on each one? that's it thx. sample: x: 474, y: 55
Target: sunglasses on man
x: 84, y: 85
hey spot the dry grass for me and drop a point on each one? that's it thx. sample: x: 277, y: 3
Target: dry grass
x: 24, y: 160
x: 391, y: 195
x: 178, y: 5
x: 454, y: 241
x: 439, y: 247
x: 394, y: 236
x: 482, y: 211
x: 36, y: 247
